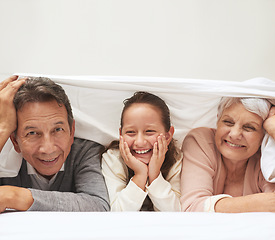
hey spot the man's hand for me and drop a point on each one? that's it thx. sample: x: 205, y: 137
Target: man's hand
x: 15, y: 198
x: 8, y: 88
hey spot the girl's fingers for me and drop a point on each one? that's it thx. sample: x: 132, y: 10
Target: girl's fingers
x: 124, y: 150
x: 162, y: 145
x: 127, y: 151
x: 122, y: 147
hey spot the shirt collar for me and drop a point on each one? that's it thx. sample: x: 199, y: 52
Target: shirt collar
x: 31, y: 169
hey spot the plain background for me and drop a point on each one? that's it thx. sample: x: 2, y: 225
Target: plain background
x: 203, y: 39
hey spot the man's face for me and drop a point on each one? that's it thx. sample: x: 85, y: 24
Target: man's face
x: 43, y: 136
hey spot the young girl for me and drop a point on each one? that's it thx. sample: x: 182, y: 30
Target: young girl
x: 142, y: 169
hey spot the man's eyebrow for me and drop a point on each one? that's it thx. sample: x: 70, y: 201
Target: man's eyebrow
x: 60, y: 122
x: 29, y: 127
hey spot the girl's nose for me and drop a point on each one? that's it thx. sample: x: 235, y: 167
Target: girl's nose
x: 140, y: 140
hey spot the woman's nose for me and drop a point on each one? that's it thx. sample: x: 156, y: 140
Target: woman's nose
x: 235, y: 132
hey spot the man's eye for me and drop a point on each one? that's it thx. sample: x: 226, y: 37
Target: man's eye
x: 59, y: 129
x: 32, y: 133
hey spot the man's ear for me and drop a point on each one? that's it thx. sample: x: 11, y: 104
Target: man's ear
x: 169, y: 135
x: 14, y: 142
x: 72, y: 131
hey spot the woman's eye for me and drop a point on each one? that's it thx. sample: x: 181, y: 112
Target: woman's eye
x: 249, y: 128
x: 228, y: 123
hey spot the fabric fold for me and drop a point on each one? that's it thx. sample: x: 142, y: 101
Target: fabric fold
x: 97, y: 102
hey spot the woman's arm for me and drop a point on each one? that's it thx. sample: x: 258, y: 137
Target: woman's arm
x: 199, y: 169
x: 259, y: 202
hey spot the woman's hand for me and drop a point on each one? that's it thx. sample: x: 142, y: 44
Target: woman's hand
x: 157, y: 159
x: 140, y: 169
x: 269, y: 123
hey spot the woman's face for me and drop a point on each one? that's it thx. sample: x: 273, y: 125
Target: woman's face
x: 239, y: 133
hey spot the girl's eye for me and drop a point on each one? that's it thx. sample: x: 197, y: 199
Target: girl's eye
x: 150, y: 131
x: 130, y: 132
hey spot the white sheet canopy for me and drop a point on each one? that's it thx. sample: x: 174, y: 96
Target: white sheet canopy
x: 97, y: 102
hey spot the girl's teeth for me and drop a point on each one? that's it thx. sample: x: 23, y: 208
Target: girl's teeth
x: 142, y: 151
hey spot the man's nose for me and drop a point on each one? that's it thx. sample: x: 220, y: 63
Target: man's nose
x: 46, y: 144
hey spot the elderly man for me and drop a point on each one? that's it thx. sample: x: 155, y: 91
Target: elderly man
x: 59, y: 172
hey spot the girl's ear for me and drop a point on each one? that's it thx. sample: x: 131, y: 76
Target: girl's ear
x: 119, y: 131
x: 15, y: 143
x: 169, y: 135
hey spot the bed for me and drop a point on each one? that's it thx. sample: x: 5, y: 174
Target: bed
x: 97, y: 102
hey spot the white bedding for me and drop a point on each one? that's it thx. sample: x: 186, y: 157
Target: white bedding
x: 97, y: 102
x: 136, y: 226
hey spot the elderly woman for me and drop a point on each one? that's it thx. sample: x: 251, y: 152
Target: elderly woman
x: 221, y: 167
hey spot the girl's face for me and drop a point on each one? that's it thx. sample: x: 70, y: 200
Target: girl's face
x: 239, y: 133
x: 141, y: 126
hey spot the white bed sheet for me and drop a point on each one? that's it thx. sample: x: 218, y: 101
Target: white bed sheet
x: 136, y: 226
x: 97, y: 102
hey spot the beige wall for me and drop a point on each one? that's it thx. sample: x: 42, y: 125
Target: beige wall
x: 208, y: 39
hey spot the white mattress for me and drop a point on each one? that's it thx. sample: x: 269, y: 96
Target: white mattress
x: 136, y: 226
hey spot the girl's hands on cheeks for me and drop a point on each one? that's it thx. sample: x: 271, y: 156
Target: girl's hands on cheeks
x: 140, y: 169
x: 159, y: 151
x: 269, y: 123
